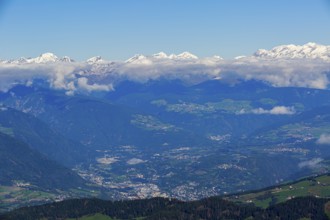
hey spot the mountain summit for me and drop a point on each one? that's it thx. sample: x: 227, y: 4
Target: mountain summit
x: 44, y: 58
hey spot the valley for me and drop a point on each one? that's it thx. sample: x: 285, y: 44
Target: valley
x: 179, y: 141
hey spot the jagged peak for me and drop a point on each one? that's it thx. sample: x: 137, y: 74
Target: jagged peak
x: 67, y: 59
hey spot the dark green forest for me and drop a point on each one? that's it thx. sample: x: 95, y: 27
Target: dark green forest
x: 162, y: 208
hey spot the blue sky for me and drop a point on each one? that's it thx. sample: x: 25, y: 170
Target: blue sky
x: 118, y: 29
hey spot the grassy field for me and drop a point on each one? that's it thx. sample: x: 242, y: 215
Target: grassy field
x: 97, y: 216
x: 14, y: 196
x: 314, y: 186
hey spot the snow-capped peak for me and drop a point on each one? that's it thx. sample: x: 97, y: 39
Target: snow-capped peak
x: 135, y: 58
x: 291, y: 51
x: 96, y: 59
x: 139, y: 59
x: 187, y: 55
x: 183, y: 56
x: 21, y: 60
x: 44, y: 58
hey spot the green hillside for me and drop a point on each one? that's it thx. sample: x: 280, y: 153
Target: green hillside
x: 318, y: 187
x: 28, y: 177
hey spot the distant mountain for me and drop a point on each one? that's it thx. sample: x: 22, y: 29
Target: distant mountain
x: 306, y: 51
x: 19, y: 163
x: 94, y: 60
x: 92, y: 121
x: 66, y: 59
x: 183, y: 56
x: 138, y: 59
x: 142, y: 59
x: 39, y: 136
x: 42, y: 59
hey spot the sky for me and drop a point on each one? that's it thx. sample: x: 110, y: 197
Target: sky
x: 119, y: 29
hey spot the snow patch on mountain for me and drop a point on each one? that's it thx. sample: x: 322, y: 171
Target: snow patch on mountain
x: 183, y: 56
x: 67, y: 59
x: 139, y: 59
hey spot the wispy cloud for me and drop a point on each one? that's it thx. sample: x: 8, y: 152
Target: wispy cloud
x: 312, y: 164
x: 83, y: 84
x: 277, y: 110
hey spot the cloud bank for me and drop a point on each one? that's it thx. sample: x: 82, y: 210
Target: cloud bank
x: 101, y: 75
x: 60, y: 76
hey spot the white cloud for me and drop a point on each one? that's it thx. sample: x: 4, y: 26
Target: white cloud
x: 135, y: 161
x: 60, y: 76
x: 324, y: 139
x: 313, y: 163
x: 280, y: 72
x: 277, y: 110
x: 73, y: 77
x: 83, y: 84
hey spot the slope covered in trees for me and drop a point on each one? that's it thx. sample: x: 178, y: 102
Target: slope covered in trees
x: 161, y: 208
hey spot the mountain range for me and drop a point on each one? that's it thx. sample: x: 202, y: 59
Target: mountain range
x: 306, y: 51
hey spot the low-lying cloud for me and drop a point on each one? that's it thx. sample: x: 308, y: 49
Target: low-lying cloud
x: 60, y: 76
x: 86, y: 77
x: 277, y: 110
x: 312, y: 164
x: 83, y: 84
